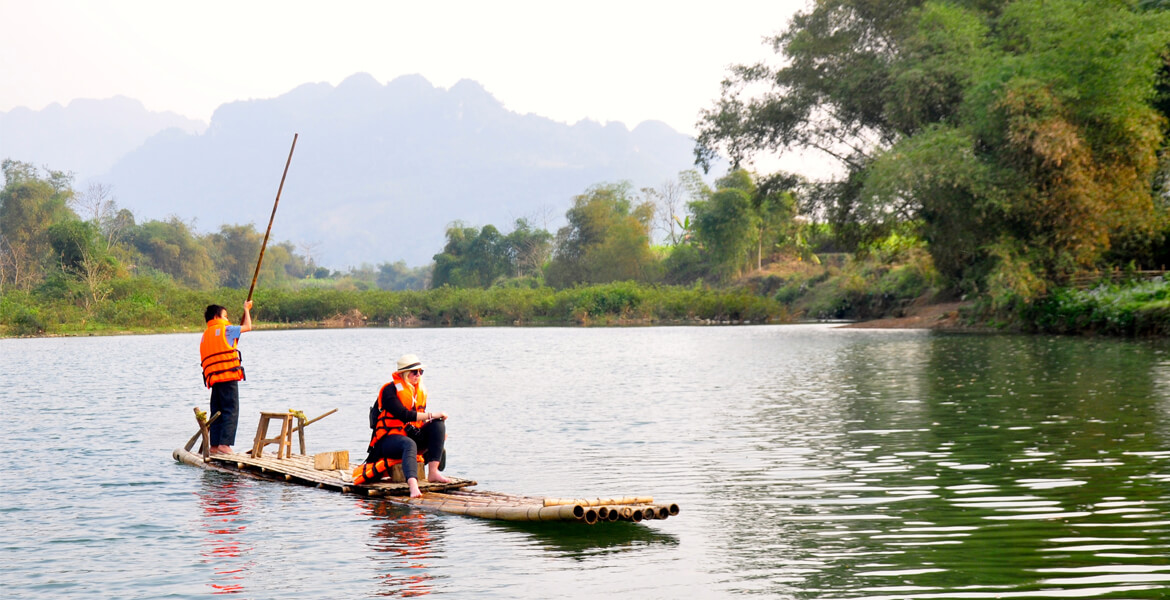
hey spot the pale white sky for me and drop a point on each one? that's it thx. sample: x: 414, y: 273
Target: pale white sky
x: 625, y: 61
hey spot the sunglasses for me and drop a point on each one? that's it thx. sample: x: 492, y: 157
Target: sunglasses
x: 418, y: 372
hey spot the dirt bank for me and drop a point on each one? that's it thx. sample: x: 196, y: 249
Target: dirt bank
x: 931, y: 316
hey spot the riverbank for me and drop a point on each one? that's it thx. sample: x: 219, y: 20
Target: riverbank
x: 943, y: 317
x: 154, y: 308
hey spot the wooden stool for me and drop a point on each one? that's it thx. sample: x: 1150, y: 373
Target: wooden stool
x: 284, y: 444
x: 397, y: 476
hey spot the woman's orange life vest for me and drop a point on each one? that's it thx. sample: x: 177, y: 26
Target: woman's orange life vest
x: 410, y: 397
x: 221, y: 360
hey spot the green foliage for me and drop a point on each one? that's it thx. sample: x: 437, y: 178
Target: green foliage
x: 607, y: 239
x: 471, y: 258
x: 724, y: 227
x: 1128, y: 309
x: 1021, y: 136
x: 29, y: 206
x: 171, y: 247
x: 882, y: 283
x: 481, y: 258
x: 398, y: 276
x: 20, y: 315
x: 734, y: 227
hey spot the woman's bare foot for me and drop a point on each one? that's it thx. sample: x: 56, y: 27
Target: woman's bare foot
x: 433, y: 474
x: 412, y: 483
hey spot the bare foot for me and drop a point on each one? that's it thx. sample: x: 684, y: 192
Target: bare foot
x: 412, y: 483
x: 433, y: 474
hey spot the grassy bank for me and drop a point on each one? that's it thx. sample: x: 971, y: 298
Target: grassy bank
x: 151, y: 305
x: 1136, y: 308
x: 890, y: 284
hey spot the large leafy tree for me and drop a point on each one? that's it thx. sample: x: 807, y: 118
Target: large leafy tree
x: 29, y: 206
x: 724, y: 224
x: 607, y: 238
x: 742, y: 221
x: 528, y: 249
x: 471, y: 258
x: 170, y: 247
x: 1020, y: 135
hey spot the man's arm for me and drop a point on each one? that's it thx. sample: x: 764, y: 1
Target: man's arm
x: 246, y: 325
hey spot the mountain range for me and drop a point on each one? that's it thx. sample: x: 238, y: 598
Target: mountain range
x: 379, y: 170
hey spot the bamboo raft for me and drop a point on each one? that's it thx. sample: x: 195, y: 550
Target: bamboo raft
x: 450, y: 498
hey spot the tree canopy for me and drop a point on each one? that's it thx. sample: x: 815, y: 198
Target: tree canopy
x: 607, y: 238
x: 1022, y: 137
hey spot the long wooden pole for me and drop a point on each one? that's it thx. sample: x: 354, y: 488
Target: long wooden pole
x: 264, y: 245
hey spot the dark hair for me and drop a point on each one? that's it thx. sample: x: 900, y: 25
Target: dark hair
x: 212, y: 311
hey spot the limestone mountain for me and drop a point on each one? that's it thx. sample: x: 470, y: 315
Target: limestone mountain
x: 381, y: 170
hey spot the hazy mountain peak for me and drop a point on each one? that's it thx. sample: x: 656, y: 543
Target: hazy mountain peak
x: 87, y: 136
x: 379, y: 171
x: 359, y: 83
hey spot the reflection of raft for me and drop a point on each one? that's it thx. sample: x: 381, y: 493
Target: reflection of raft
x: 441, y: 497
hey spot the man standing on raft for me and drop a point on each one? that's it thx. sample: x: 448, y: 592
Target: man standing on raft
x: 221, y: 372
x: 402, y: 428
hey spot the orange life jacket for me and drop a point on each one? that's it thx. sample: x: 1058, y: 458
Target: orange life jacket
x: 221, y: 360
x: 412, y: 398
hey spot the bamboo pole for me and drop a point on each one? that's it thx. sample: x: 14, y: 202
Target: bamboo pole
x: 599, y: 501
x: 272, y: 218
x: 311, y: 421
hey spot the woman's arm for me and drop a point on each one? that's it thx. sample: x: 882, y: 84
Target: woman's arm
x: 391, y: 405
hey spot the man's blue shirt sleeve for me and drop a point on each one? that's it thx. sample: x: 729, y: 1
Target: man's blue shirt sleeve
x: 233, y: 334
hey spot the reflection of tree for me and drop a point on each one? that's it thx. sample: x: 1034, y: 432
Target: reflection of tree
x: 403, y: 537
x: 219, y: 498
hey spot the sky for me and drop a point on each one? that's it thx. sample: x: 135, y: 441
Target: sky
x: 607, y: 61
x: 603, y: 60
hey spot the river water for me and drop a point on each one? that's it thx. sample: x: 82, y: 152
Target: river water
x: 809, y: 462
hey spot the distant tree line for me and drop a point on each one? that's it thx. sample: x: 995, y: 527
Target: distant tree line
x: 76, y: 244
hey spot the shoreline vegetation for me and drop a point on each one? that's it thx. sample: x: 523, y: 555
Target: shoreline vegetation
x: 898, y: 291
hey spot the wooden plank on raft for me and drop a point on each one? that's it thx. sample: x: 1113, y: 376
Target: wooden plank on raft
x: 446, y: 498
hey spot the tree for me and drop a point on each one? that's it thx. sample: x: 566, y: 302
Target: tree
x: 1019, y: 135
x: 98, y: 205
x: 29, y: 206
x: 725, y: 226
x: 471, y: 258
x: 83, y: 257
x: 170, y: 247
x: 528, y: 249
x: 234, y: 251
x: 607, y: 239
x: 669, y: 200
x: 397, y: 276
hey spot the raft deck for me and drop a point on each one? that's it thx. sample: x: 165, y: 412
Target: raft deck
x: 440, y: 497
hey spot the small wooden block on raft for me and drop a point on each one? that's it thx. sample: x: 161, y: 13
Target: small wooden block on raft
x: 397, y: 476
x: 329, y: 461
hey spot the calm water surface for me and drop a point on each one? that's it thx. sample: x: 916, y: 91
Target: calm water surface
x: 809, y: 462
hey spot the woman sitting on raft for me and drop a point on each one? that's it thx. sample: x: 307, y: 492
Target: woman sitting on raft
x: 402, y: 428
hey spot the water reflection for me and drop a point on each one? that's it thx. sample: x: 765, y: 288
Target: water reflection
x: 941, y: 472
x: 403, y: 541
x: 579, y: 541
x: 222, y: 519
